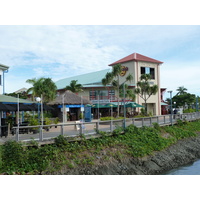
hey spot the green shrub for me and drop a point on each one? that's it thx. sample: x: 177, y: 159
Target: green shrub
x: 110, y: 118
x: 13, y: 156
x: 156, y: 126
x: 61, y: 141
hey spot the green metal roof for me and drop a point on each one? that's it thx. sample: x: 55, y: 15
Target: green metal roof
x: 93, y: 78
x: 9, y: 99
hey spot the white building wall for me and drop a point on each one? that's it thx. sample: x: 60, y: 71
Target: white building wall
x: 1, y: 84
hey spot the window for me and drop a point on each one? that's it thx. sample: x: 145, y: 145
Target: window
x: 0, y: 80
x: 103, y: 94
x: 93, y: 94
x: 148, y: 70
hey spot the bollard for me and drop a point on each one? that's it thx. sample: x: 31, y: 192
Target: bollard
x: 41, y: 134
x: 111, y: 126
x: 17, y: 134
x: 150, y: 121
x: 62, y: 130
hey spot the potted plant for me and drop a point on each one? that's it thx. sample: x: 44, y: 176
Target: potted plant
x: 34, y: 122
x: 56, y: 120
x: 47, y: 122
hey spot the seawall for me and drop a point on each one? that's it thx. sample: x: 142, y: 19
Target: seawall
x: 183, y: 152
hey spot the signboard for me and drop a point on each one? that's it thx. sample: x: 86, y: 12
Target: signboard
x: 124, y: 69
x: 102, y: 101
x: 88, y: 116
x: 71, y: 106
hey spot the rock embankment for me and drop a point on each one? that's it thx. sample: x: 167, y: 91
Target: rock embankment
x: 183, y: 152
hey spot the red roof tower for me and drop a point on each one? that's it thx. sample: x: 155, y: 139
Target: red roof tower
x: 136, y: 57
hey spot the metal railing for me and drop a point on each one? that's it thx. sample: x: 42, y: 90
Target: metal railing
x: 72, y: 129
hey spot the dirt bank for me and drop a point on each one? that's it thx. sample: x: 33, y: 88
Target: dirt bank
x: 183, y: 152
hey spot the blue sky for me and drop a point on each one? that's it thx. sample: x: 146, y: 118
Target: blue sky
x: 63, y: 51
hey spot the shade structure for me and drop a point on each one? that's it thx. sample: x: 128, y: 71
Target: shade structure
x: 109, y: 105
x: 45, y: 107
x: 22, y: 107
x: 133, y: 105
x: 5, y: 107
x: 88, y: 105
x: 98, y: 106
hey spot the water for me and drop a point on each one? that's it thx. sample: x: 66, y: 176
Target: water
x: 191, y: 169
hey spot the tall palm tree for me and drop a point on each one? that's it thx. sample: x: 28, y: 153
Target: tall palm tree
x: 74, y: 86
x: 144, y: 90
x: 42, y: 86
x: 112, y: 78
x: 181, y: 90
x: 35, y: 85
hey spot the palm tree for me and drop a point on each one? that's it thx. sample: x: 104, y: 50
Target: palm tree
x: 181, y: 90
x: 144, y: 90
x: 110, y: 78
x: 42, y: 86
x: 74, y: 86
x: 35, y: 85
x: 49, y: 90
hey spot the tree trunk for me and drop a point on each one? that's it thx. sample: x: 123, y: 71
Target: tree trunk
x: 145, y: 102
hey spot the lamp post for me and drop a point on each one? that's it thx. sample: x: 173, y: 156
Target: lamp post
x: 38, y: 99
x: 63, y: 110
x: 197, y: 103
x: 170, y: 106
x: 124, y: 106
x: 175, y: 105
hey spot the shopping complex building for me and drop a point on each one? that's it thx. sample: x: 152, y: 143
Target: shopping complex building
x: 134, y: 64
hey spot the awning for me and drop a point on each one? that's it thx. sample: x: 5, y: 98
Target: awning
x: 109, y: 105
x: 98, y: 106
x: 133, y: 105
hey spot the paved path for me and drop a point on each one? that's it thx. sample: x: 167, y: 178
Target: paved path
x: 71, y: 129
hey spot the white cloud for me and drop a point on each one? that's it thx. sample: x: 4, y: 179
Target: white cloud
x: 174, y: 75
x: 64, y: 51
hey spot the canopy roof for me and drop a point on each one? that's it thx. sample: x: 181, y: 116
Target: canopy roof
x: 133, y: 105
x: 10, y: 99
x: 69, y: 99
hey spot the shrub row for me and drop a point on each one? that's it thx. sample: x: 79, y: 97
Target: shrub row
x: 136, y: 142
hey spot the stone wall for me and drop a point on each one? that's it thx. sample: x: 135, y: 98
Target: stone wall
x: 183, y: 152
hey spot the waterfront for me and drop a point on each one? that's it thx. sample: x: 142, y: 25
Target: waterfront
x: 191, y: 169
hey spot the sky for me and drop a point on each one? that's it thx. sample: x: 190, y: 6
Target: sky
x: 60, y: 51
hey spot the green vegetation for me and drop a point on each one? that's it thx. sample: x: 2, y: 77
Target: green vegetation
x: 16, y: 158
x: 110, y: 118
x: 145, y: 90
x: 42, y: 86
x: 74, y: 86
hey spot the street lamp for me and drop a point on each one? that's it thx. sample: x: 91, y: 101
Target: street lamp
x: 38, y: 99
x: 175, y: 105
x: 171, y: 105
